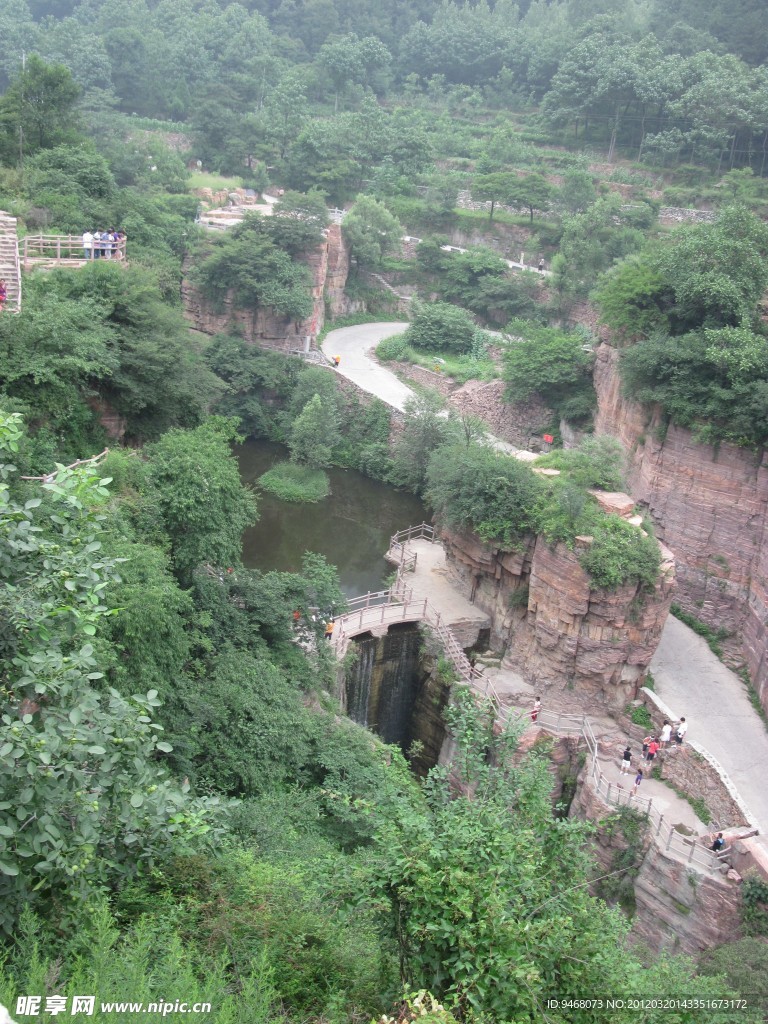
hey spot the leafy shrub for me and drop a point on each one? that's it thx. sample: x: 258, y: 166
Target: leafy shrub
x: 438, y: 326
x: 597, y: 462
x: 394, y: 349
x: 619, y: 553
x: 553, y: 364
x: 472, y: 487
x: 291, y: 482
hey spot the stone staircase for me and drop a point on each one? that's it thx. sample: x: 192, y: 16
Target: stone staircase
x: 10, y: 271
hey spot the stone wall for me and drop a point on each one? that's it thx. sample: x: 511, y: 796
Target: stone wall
x: 520, y: 424
x: 328, y: 266
x: 710, y: 505
x: 694, y: 774
x: 556, y: 630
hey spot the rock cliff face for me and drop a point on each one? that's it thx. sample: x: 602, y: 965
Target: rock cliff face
x: 557, y: 631
x: 710, y: 505
x: 328, y: 266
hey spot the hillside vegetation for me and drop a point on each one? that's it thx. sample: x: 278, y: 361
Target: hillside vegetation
x: 184, y: 814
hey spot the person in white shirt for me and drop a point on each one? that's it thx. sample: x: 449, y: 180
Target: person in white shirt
x: 682, y: 729
x: 666, y: 733
x: 88, y: 245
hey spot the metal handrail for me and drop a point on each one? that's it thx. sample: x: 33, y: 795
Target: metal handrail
x: 664, y: 834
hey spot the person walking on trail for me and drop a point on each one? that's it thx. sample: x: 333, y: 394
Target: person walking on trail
x: 682, y: 729
x: 653, y: 747
x: 541, y: 264
x: 638, y: 780
x: 666, y: 733
x: 536, y: 709
x: 626, y: 761
x: 719, y: 843
x: 336, y: 361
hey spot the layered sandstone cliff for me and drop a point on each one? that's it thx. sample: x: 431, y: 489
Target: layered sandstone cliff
x: 710, y: 505
x: 556, y: 629
x: 328, y: 266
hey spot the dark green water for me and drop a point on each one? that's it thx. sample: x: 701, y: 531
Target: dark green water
x: 351, y: 528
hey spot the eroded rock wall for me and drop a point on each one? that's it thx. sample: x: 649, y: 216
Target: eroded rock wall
x: 328, y: 266
x: 710, y: 506
x: 557, y: 630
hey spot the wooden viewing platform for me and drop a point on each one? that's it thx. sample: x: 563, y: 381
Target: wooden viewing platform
x: 49, y: 251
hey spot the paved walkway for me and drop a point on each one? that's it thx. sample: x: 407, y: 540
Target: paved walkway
x: 693, y: 682
x: 353, y: 344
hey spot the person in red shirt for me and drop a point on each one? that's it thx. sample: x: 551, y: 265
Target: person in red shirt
x: 653, y: 746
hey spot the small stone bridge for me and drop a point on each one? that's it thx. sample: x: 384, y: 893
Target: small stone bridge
x: 375, y: 612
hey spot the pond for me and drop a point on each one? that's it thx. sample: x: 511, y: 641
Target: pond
x: 351, y: 528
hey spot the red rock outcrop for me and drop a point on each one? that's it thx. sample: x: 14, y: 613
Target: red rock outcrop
x: 710, y: 505
x: 328, y: 266
x: 556, y: 630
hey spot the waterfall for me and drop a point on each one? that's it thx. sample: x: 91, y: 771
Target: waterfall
x: 389, y: 691
x: 359, y: 680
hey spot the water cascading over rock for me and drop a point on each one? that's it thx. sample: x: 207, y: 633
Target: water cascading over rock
x: 392, y: 691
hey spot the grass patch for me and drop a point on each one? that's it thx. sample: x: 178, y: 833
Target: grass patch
x: 461, y: 368
x: 640, y: 715
x: 290, y: 482
x: 204, y: 179
x: 713, y: 637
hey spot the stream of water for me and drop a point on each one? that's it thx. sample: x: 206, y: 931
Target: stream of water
x: 351, y: 528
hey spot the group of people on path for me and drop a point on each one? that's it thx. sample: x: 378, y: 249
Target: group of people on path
x: 651, y: 746
x: 102, y: 244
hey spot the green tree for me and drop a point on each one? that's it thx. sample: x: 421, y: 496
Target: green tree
x: 83, y: 801
x: 553, y: 364
x: 38, y: 110
x: 496, y: 187
x: 473, y: 487
x: 424, y: 431
x: 533, y: 191
x: 350, y: 59
x: 499, y: 940
x: 314, y: 434
x: 256, y: 270
x: 196, y: 486
x: 371, y: 231
x: 440, y: 327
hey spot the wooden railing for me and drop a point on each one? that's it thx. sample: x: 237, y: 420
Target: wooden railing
x: 51, y: 250
x: 397, y: 551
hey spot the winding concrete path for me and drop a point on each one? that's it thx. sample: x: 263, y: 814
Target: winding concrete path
x: 690, y: 679
x: 693, y: 682
x: 353, y: 345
